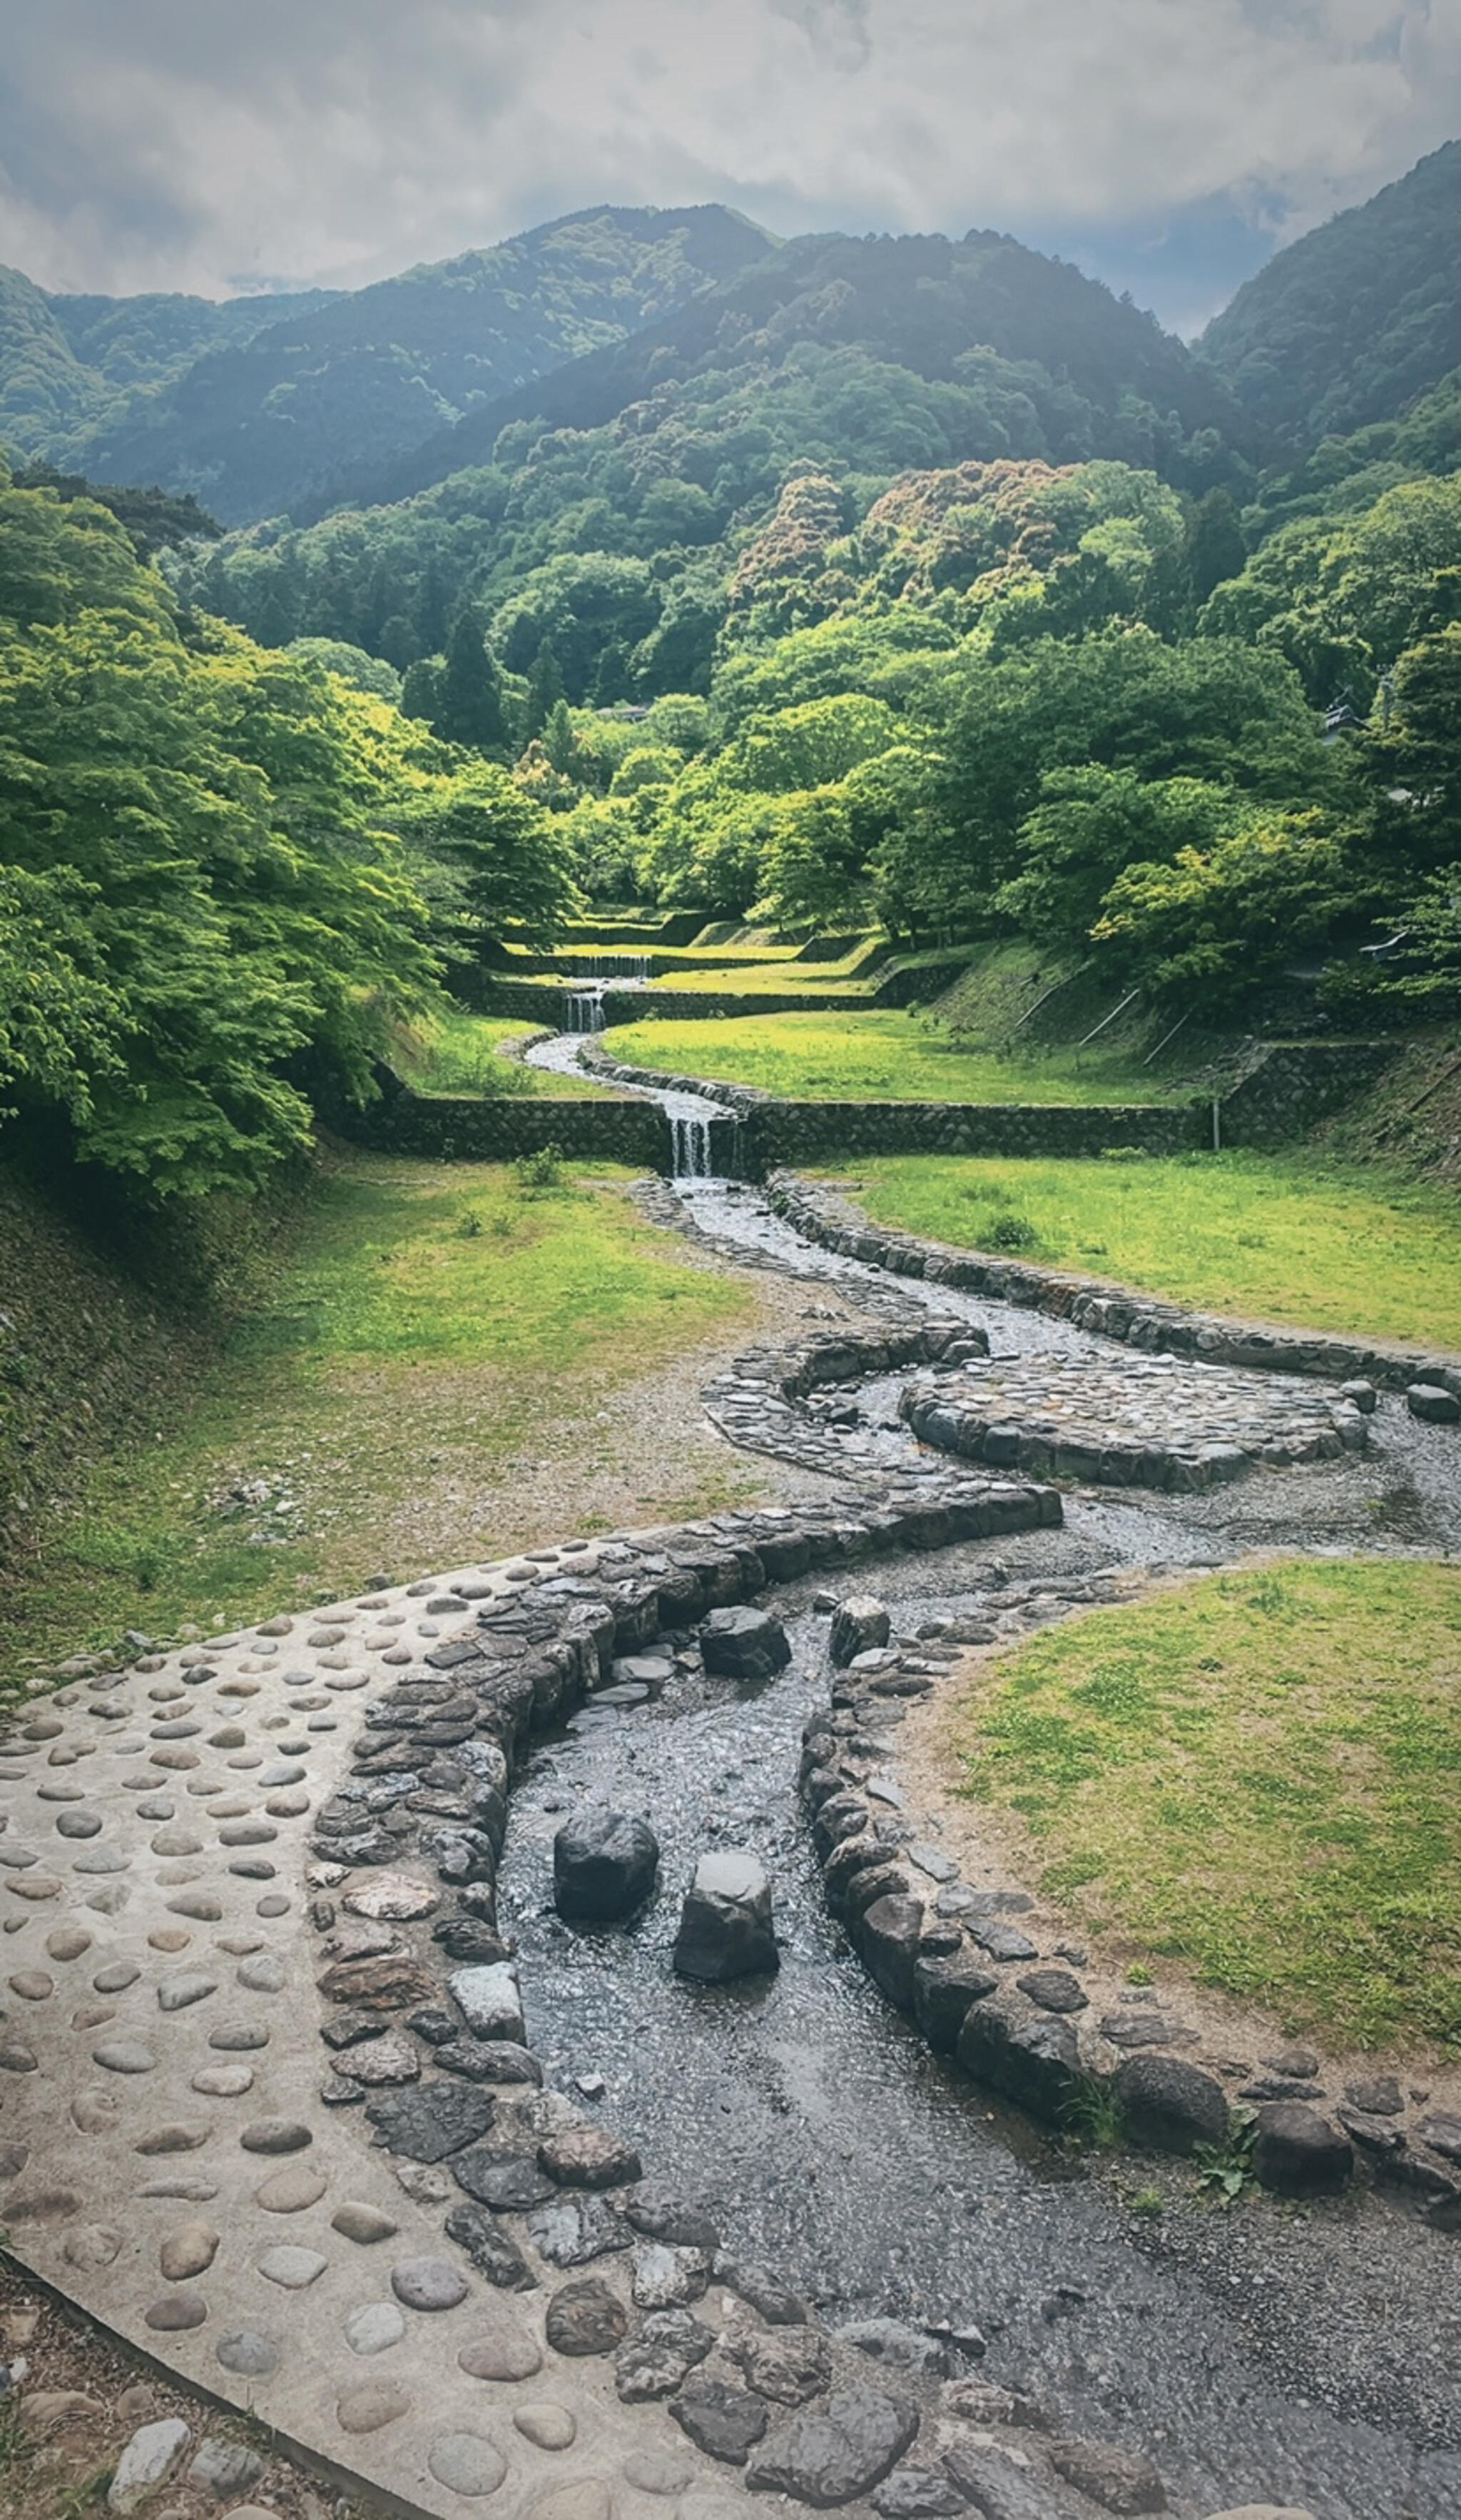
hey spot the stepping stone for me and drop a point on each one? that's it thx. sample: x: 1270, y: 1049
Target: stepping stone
x: 428, y: 2283
x: 465, y: 2464
x: 374, y: 2327
x: 294, y: 2270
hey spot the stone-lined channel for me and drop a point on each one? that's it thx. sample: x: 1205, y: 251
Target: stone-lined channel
x: 1312, y: 2357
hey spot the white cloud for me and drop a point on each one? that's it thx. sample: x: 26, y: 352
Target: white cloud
x: 194, y: 144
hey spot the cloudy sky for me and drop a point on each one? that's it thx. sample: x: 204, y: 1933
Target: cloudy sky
x: 1166, y: 144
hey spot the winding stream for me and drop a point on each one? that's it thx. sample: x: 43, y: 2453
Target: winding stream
x: 1267, y: 2354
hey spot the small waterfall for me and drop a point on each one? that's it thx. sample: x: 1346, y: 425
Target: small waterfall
x: 585, y: 1010
x: 689, y: 1136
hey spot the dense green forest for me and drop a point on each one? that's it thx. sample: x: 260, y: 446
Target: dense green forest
x: 888, y: 581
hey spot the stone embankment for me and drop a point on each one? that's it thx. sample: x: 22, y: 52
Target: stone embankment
x: 986, y: 1985
x: 1095, y: 1304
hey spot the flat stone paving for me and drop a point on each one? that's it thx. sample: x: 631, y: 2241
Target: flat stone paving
x: 1129, y: 1420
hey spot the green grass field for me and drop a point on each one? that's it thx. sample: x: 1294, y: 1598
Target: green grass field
x: 878, y: 1054
x: 461, y: 1054
x: 1254, y: 1774
x: 424, y: 1320
x: 1282, y: 1238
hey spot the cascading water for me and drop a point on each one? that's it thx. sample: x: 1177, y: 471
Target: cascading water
x: 585, y: 1010
x: 689, y: 1136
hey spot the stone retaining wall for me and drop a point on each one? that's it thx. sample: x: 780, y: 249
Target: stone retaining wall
x: 457, y: 1128
x: 1292, y: 1083
x: 1097, y: 1305
x: 490, y: 993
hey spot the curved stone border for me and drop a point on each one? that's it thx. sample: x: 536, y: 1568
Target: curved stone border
x: 963, y: 1962
x: 1097, y: 1304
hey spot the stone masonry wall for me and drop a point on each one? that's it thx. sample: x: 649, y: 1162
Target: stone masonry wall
x: 1293, y: 1084
x: 450, y: 1127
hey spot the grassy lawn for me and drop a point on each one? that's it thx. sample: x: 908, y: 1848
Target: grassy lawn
x: 1254, y: 1774
x: 1280, y: 1238
x: 878, y: 1054
x: 462, y: 1055
x: 426, y: 1325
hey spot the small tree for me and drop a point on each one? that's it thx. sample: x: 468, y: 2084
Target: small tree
x: 469, y: 694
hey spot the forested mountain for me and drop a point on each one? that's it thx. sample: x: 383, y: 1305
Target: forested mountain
x: 1031, y: 357
x: 69, y: 364
x: 1349, y: 324
x: 251, y: 404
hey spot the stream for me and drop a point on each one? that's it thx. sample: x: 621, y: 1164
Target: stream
x: 1268, y: 2352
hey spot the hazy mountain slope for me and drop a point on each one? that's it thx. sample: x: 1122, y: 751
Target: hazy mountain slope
x: 920, y: 303
x: 254, y: 427
x: 1347, y: 326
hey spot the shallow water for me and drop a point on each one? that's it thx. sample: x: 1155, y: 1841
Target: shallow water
x: 1264, y: 2354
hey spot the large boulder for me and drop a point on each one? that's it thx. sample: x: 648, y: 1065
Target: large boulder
x: 744, y: 1645
x: 1034, y: 2061
x: 858, y: 1626
x: 604, y: 1864
x: 1297, y: 2152
x: 1169, y: 2105
x: 831, y: 2458
x: 1432, y: 1402
x: 726, y: 1924
x: 942, y: 1992
x: 887, y: 1936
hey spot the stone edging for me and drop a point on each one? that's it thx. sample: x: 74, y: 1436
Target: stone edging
x: 1015, y: 2021
x: 1096, y: 1304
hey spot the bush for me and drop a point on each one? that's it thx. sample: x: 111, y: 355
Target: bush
x: 543, y: 1170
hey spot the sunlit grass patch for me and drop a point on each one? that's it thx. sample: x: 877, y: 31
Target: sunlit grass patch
x: 871, y: 1054
x: 1283, y: 1238
x: 427, y: 1320
x: 1255, y: 1774
x: 461, y: 1053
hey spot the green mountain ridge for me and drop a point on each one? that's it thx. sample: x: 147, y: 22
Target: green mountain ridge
x: 249, y: 404
x: 1349, y: 326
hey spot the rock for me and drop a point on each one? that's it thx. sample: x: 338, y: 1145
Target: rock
x: 743, y: 1644
x: 251, y: 2356
x: 1298, y: 2153
x: 790, y: 2363
x: 370, y: 2406
x: 1168, y: 2105
x: 887, y: 1935
x: 226, y: 2469
x: 467, y: 2464
x: 604, y: 1864
x: 726, y: 1924
x: 276, y: 2134
x: 657, y: 2471
x: 725, y: 2422
x: 1035, y: 2063
x: 660, y: 2359
x: 1001, y: 1942
x: 586, y: 2317
x: 917, y: 2493
x: 363, y: 2224
x: 777, y: 2303
x: 829, y: 2458
x: 660, y: 2213
x: 500, y: 2357
x: 575, y: 2229
x: 374, y: 2327
x: 1264, y: 2511
x: 188, y: 2250
x: 146, y: 2461
x: 490, y: 2002
x: 546, y: 2425
x: 176, y: 2313
x: 586, y: 2156
x: 942, y: 1992
x: 44, y: 2411
x: 1441, y: 2130
x: 980, y: 2402
x: 291, y: 2190
x: 1378, y: 2097
x: 1053, y: 1990
x: 428, y: 2283
x: 1123, y: 2481
x: 893, y: 2342
x: 859, y: 1625
x: 998, y: 2487
x: 1432, y: 1402
x: 492, y: 2252
x: 433, y: 2121
x: 666, y: 2279
x: 511, y: 2183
